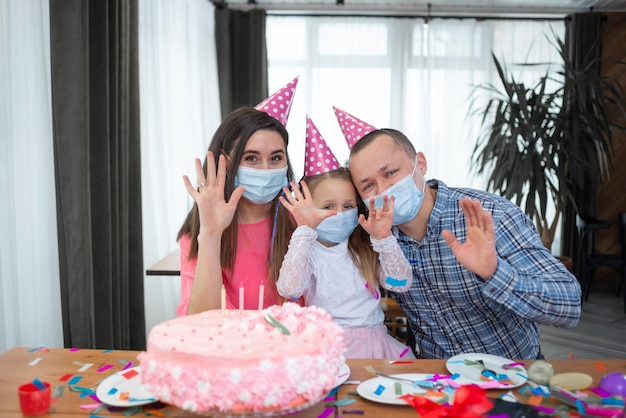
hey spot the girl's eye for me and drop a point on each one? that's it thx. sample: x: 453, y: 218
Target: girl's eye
x: 328, y: 207
x: 348, y: 206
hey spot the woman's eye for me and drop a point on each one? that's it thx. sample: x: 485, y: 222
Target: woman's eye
x: 391, y: 173
x: 367, y: 187
x: 277, y: 158
x: 250, y: 158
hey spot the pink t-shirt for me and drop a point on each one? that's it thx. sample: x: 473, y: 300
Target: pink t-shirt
x: 251, y: 269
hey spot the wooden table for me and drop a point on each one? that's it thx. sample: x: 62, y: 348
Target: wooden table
x: 16, y: 367
x: 167, y: 266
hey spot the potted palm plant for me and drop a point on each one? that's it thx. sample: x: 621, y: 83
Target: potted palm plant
x: 542, y: 142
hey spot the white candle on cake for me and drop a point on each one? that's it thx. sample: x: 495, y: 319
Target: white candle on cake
x: 261, y: 296
x: 241, y: 297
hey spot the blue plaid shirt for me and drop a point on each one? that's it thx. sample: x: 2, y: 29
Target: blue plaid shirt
x: 453, y: 311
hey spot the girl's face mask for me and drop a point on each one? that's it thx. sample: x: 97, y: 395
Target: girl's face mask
x: 338, y: 228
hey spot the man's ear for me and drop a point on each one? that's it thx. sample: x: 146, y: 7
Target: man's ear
x: 422, y: 164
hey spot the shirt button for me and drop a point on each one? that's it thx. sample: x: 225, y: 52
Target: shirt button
x: 492, y: 290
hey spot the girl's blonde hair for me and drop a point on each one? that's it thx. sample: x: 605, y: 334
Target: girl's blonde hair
x: 359, y: 246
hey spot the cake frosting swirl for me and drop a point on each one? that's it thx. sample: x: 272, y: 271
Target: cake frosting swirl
x: 237, y: 361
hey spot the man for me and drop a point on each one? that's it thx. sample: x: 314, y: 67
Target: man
x: 483, y: 281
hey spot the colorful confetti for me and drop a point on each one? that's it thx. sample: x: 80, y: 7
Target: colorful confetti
x: 34, y: 362
x: 104, y: 368
x: 85, y: 367
x: 74, y: 380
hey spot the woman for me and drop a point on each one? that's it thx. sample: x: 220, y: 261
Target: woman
x: 236, y: 234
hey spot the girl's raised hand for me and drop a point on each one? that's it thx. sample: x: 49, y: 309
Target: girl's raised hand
x: 380, y: 220
x: 216, y: 214
x: 300, y: 204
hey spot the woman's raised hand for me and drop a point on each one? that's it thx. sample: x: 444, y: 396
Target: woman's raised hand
x: 216, y: 214
x: 302, y: 207
x: 380, y: 220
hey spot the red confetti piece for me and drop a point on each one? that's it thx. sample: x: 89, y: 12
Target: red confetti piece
x: 535, y: 400
x: 155, y: 413
x: 130, y: 374
x: 65, y: 377
x: 400, y: 362
x: 601, y: 367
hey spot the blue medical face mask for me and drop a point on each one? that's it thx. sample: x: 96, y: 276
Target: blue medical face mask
x: 337, y: 228
x: 408, y: 199
x: 262, y: 186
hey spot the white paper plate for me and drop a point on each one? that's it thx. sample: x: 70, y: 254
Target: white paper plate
x: 125, y: 381
x: 471, y: 373
x: 369, y: 388
x: 343, y: 375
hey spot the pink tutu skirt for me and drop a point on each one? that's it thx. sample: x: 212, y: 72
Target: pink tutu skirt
x: 366, y: 342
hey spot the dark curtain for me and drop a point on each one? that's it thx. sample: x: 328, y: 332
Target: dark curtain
x: 241, y: 57
x: 584, y: 45
x: 95, y: 110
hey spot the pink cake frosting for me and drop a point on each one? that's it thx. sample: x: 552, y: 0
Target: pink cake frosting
x: 236, y: 361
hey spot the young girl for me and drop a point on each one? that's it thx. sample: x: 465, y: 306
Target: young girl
x: 331, y: 262
x: 235, y: 235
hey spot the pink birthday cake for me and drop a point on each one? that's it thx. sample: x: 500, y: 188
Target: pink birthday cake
x: 281, y: 358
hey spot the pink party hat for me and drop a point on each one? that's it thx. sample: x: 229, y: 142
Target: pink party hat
x: 353, y: 129
x: 318, y: 158
x: 278, y: 104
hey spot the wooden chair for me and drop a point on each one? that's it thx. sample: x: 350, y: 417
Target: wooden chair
x: 589, y: 258
x: 395, y: 319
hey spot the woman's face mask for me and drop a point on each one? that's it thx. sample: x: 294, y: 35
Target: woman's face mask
x: 337, y: 228
x: 408, y: 198
x: 261, y: 186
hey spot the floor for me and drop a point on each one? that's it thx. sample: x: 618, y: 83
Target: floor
x: 600, y: 334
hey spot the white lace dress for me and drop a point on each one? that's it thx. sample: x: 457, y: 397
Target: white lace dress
x: 328, y: 278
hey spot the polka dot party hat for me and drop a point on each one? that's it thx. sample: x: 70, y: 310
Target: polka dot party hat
x: 353, y: 129
x: 318, y: 158
x: 278, y: 104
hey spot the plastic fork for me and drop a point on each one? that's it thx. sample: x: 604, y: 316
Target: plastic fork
x: 421, y: 383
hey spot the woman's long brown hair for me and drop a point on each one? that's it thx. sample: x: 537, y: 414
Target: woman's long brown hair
x: 230, y: 139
